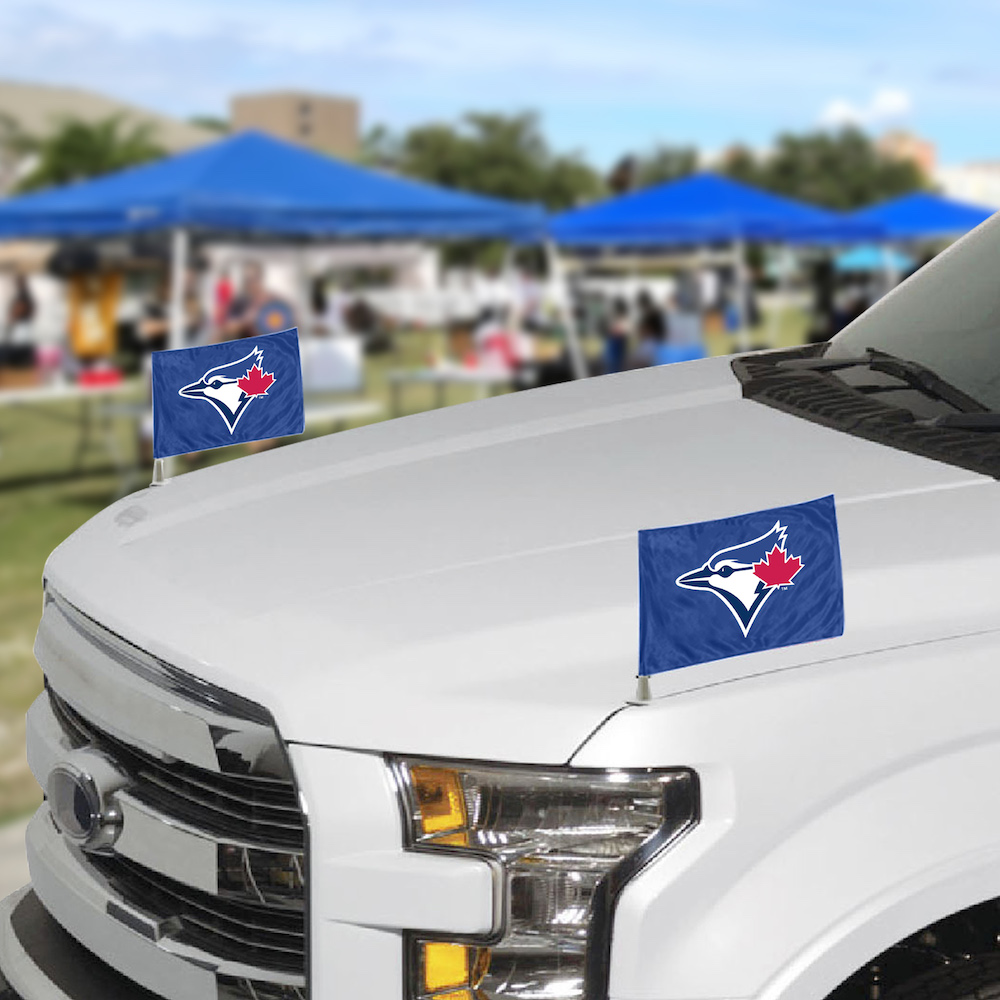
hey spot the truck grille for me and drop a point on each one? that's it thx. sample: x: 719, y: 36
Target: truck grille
x: 247, y: 807
x: 245, y: 916
x: 264, y: 936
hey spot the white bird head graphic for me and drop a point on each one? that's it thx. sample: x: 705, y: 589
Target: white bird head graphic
x: 228, y: 387
x: 732, y: 575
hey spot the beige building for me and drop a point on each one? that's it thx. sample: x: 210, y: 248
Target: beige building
x: 326, y: 123
x: 38, y: 109
x: 899, y: 145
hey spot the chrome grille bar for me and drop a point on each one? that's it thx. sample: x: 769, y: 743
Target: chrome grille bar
x: 268, y: 937
x: 266, y: 810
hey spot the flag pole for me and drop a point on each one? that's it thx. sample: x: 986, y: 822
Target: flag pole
x: 643, y: 693
x: 160, y: 478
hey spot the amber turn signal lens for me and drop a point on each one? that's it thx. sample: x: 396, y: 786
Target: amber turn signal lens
x: 440, y: 800
x: 451, y: 971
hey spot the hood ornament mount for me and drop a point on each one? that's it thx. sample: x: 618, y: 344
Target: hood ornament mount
x: 643, y: 692
x: 161, y: 474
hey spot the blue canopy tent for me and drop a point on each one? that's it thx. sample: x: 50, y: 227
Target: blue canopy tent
x: 252, y: 183
x: 702, y: 209
x: 869, y: 257
x: 923, y: 215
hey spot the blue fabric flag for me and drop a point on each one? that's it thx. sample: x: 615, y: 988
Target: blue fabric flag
x: 243, y: 390
x: 739, y: 585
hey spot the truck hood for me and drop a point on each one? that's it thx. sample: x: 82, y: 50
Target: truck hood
x: 464, y: 582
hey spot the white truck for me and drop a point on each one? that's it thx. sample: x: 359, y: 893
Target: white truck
x: 357, y: 719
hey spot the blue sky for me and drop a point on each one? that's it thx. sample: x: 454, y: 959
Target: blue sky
x: 607, y: 76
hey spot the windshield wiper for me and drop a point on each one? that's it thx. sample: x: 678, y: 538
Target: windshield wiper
x: 914, y: 374
x: 989, y: 421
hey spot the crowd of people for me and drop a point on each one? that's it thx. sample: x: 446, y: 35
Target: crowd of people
x: 645, y: 332
x: 20, y: 314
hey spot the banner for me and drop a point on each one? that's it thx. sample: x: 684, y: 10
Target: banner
x: 243, y: 390
x: 738, y: 585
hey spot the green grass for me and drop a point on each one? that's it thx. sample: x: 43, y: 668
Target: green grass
x: 42, y: 501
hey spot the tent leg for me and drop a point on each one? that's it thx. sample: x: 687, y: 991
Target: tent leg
x: 739, y: 265
x: 577, y: 361
x: 303, y: 282
x: 163, y: 468
x: 178, y: 272
x: 784, y: 278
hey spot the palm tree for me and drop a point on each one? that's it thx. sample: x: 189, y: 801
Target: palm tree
x: 15, y: 145
x: 79, y: 149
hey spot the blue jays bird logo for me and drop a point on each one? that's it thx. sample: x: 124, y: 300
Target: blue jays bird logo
x: 744, y: 576
x: 231, y: 388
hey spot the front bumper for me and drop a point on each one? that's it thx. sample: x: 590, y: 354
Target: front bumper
x: 41, y: 961
x: 109, y: 925
x: 44, y: 958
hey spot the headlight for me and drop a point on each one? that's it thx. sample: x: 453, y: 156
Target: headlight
x: 567, y: 841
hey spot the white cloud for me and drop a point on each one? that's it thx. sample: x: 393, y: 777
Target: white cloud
x: 886, y: 106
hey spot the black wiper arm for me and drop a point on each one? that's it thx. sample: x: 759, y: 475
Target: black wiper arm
x: 912, y: 373
x: 988, y: 421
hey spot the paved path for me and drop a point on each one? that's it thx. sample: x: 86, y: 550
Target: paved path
x: 13, y: 864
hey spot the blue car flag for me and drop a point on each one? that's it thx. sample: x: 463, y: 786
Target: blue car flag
x: 739, y: 585
x: 243, y: 390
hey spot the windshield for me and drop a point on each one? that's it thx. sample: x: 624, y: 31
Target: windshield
x: 946, y: 318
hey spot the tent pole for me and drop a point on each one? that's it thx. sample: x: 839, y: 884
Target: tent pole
x: 178, y: 273
x: 739, y: 264
x: 786, y: 263
x: 163, y: 467
x: 303, y: 282
x: 773, y: 320
x: 514, y: 318
x: 576, y: 359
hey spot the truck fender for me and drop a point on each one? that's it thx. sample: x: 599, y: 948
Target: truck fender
x: 733, y: 911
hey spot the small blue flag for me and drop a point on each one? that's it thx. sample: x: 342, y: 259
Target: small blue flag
x: 243, y: 390
x: 739, y: 585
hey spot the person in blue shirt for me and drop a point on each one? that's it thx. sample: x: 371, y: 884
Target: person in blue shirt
x: 616, y: 334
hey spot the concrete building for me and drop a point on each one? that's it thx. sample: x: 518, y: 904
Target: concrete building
x: 326, y: 123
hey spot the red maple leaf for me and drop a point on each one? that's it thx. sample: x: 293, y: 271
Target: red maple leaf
x: 776, y: 569
x: 256, y: 382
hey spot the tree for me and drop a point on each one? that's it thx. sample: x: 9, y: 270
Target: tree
x: 740, y: 163
x: 505, y: 156
x: 663, y: 164
x: 79, y: 149
x: 211, y: 123
x: 380, y: 147
x: 842, y: 170
x: 15, y: 145
x: 621, y: 179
